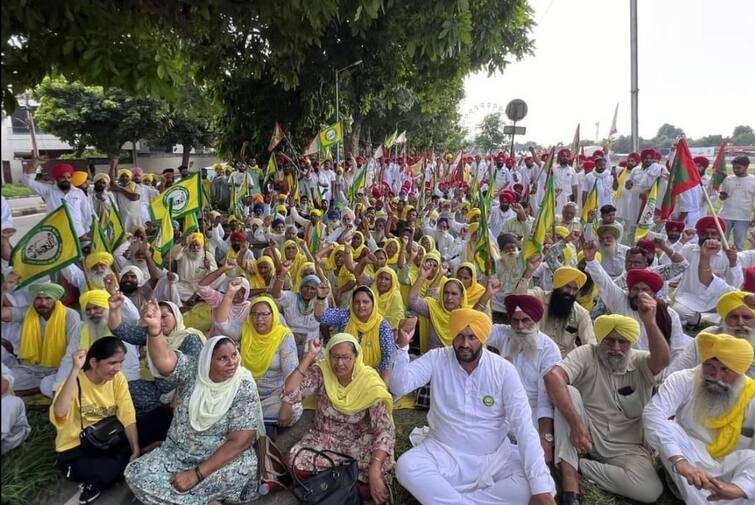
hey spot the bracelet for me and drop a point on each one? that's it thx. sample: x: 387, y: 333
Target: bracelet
x: 676, y: 462
x: 297, y: 369
x: 155, y: 335
x: 198, y: 473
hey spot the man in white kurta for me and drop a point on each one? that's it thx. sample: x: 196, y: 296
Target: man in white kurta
x: 565, y: 180
x: 638, y: 184
x: 613, y: 254
x: 676, y: 427
x: 192, y: 264
x: 602, y: 179
x: 711, y: 273
x: 477, y: 399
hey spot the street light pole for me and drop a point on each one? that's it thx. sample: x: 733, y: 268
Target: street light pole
x: 635, y: 91
x: 338, y: 106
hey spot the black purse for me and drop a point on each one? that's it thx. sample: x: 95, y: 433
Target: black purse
x: 335, y: 486
x: 103, y: 435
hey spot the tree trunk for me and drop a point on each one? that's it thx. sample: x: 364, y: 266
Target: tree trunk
x: 186, y: 155
x: 356, y: 132
x: 134, y: 157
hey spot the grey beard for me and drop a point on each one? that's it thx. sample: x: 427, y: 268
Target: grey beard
x: 711, y: 399
x: 522, y: 342
x: 613, y: 364
x: 98, y: 330
x: 508, y: 261
x: 193, y: 255
x: 97, y: 281
x: 609, y: 252
x: 744, y: 332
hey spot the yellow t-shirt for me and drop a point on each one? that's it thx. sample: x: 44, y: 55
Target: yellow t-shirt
x: 99, y: 401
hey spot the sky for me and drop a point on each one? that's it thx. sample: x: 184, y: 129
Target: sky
x: 696, y: 69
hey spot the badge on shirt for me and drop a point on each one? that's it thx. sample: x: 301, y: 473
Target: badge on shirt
x: 488, y: 401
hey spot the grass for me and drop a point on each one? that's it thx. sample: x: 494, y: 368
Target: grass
x: 15, y: 190
x: 30, y: 468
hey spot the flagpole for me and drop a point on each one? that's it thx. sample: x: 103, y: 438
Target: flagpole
x: 715, y: 217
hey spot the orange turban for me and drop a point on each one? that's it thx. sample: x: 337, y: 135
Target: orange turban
x: 478, y: 322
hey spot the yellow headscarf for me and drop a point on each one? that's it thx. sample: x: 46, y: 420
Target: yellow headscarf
x: 365, y: 389
x: 390, y: 303
x: 196, y: 237
x: 257, y: 349
x: 405, y: 212
x: 369, y: 330
x: 255, y: 278
x: 48, y: 351
x: 343, y: 275
x: 296, y: 264
x: 475, y: 290
x: 478, y: 322
x: 432, y: 243
x: 393, y: 259
x: 98, y: 298
x: 440, y: 316
x: 473, y: 214
x: 730, y: 301
x: 737, y: 355
x: 355, y: 253
x: 623, y: 325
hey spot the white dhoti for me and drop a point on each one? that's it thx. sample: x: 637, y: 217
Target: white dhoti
x: 737, y: 467
x: 436, y: 474
x: 15, y: 427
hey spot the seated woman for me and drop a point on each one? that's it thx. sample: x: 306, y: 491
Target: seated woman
x: 268, y: 351
x: 467, y: 274
x: 298, y: 307
x: 363, y: 320
x: 390, y: 301
x: 95, y: 389
x: 208, y: 456
x: 147, y: 394
x: 353, y: 413
x: 237, y: 309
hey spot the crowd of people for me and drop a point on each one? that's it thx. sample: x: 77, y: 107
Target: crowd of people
x: 357, y: 289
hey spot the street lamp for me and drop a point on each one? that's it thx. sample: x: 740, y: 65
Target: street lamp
x: 339, y: 70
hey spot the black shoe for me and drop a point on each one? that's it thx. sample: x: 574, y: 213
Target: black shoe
x: 89, y: 494
x: 569, y: 498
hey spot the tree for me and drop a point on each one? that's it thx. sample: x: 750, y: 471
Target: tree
x: 741, y: 130
x: 743, y: 136
x: 491, y: 137
x: 89, y: 116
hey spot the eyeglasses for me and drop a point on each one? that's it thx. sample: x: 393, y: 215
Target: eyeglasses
x: 259, y: 315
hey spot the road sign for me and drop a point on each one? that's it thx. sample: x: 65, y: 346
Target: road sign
x: 516, y: 110
x: 514, y: 130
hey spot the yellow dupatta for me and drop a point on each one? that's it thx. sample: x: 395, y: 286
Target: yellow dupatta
x: 356, y: 253
x: 369, y: 331
x: 257, y: 349
x: 342, y: 274
x: 475, y: 290
x: 440, y: 316
x: 390, y: 303
x: 256, y: 281
x: 433, y: 247
x: 393, y: 260
x: 366, y: 387
x: 47, y: 351
x: 296, y: 264
x: 729, y: 425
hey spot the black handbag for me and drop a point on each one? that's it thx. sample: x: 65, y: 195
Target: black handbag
x: 336, y: 485
x: 103, y: 435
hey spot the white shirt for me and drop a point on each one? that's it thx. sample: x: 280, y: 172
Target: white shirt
x: 614, y: 265
x: 617, y: 301
x: 696, y: 296
x: 473, y: 413
x: 303, y: 324
x: 564, y: 178
x: 741, y: 193
x: 75, y: 200
x: 604, y: 187
x: 7, y: 216
x: 531, y: 371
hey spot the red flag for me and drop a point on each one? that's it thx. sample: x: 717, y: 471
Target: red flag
x: 719, y: 167
x: 277, y: 138
x: 684, y: 176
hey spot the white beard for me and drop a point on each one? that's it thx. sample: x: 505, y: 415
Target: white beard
x: 509, y: 261
x: 97, y: 281
x: 98, y: 330
x: 710, y: 405
x: 746, y: 333
x: 522, y: 342
x: 609, y: 252
x: 193, y: 255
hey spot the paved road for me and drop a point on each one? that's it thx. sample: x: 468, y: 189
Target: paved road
x: 23, y: 224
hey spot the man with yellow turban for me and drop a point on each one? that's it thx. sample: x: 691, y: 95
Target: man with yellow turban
x: 100, y: 198
x: 701, y: 423
x: 193, y: 262
x: 737, y: 312
x: 46, y: 326
x: 477, y: 400
x: 92, y: 326
x: 599, y: 392
x: 566, y: 322
x: 127, y: 198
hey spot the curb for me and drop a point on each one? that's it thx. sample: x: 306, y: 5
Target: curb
x: 27, y: 211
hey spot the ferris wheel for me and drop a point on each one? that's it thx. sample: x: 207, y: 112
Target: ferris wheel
x: 471, y: 116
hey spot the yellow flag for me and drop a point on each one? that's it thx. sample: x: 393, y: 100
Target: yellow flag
x: 185, y: 197
x: 331, y: 135
x: 163, y: 242
x: 622, y: 180
x: 546, y: 217
x: 113, y: 228
x: 49, y: 246
x: 591, y: 203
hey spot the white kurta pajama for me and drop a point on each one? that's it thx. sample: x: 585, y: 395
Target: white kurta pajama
x: 564, y: 178
x: 190, y: 271
x: 466, y: 457
x: 604, y: 187
x: 642, y: 180
x: 684, y: 436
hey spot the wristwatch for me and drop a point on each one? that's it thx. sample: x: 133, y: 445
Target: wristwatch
x: 548, y: 437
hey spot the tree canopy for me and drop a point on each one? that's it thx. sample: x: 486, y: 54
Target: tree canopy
x: 491, y: 137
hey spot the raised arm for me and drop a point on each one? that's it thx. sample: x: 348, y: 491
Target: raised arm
x: 163, y: 357
x: 660, y: 355
x: 61, y: 406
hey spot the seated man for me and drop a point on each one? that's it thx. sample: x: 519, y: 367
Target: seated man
x: 477, y: 399
x: 45, y: 328
x: 15, y: 426
x: 620, y: 301
x: 712, y: 270
x: 737, y: 311
x: 566, y: 322
x: 599, y: 392
x: 193, y: 264
x: 614, y: 253
x: 701, y: 423
x: 533, y: 354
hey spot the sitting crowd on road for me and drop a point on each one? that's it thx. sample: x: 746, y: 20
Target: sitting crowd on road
x: 606, y: 349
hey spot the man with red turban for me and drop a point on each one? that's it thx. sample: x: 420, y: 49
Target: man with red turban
x: 712, y: 270
x: 565, y: 178
x: 477, y: 402
x: 533, y: 355
x: 61, y: 192
x: 638, y: 184
x: 626, y: 301
x: 501, y: 212
x: 674, y: 231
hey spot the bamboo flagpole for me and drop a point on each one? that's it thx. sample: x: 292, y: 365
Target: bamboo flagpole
x: 715, y: 217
